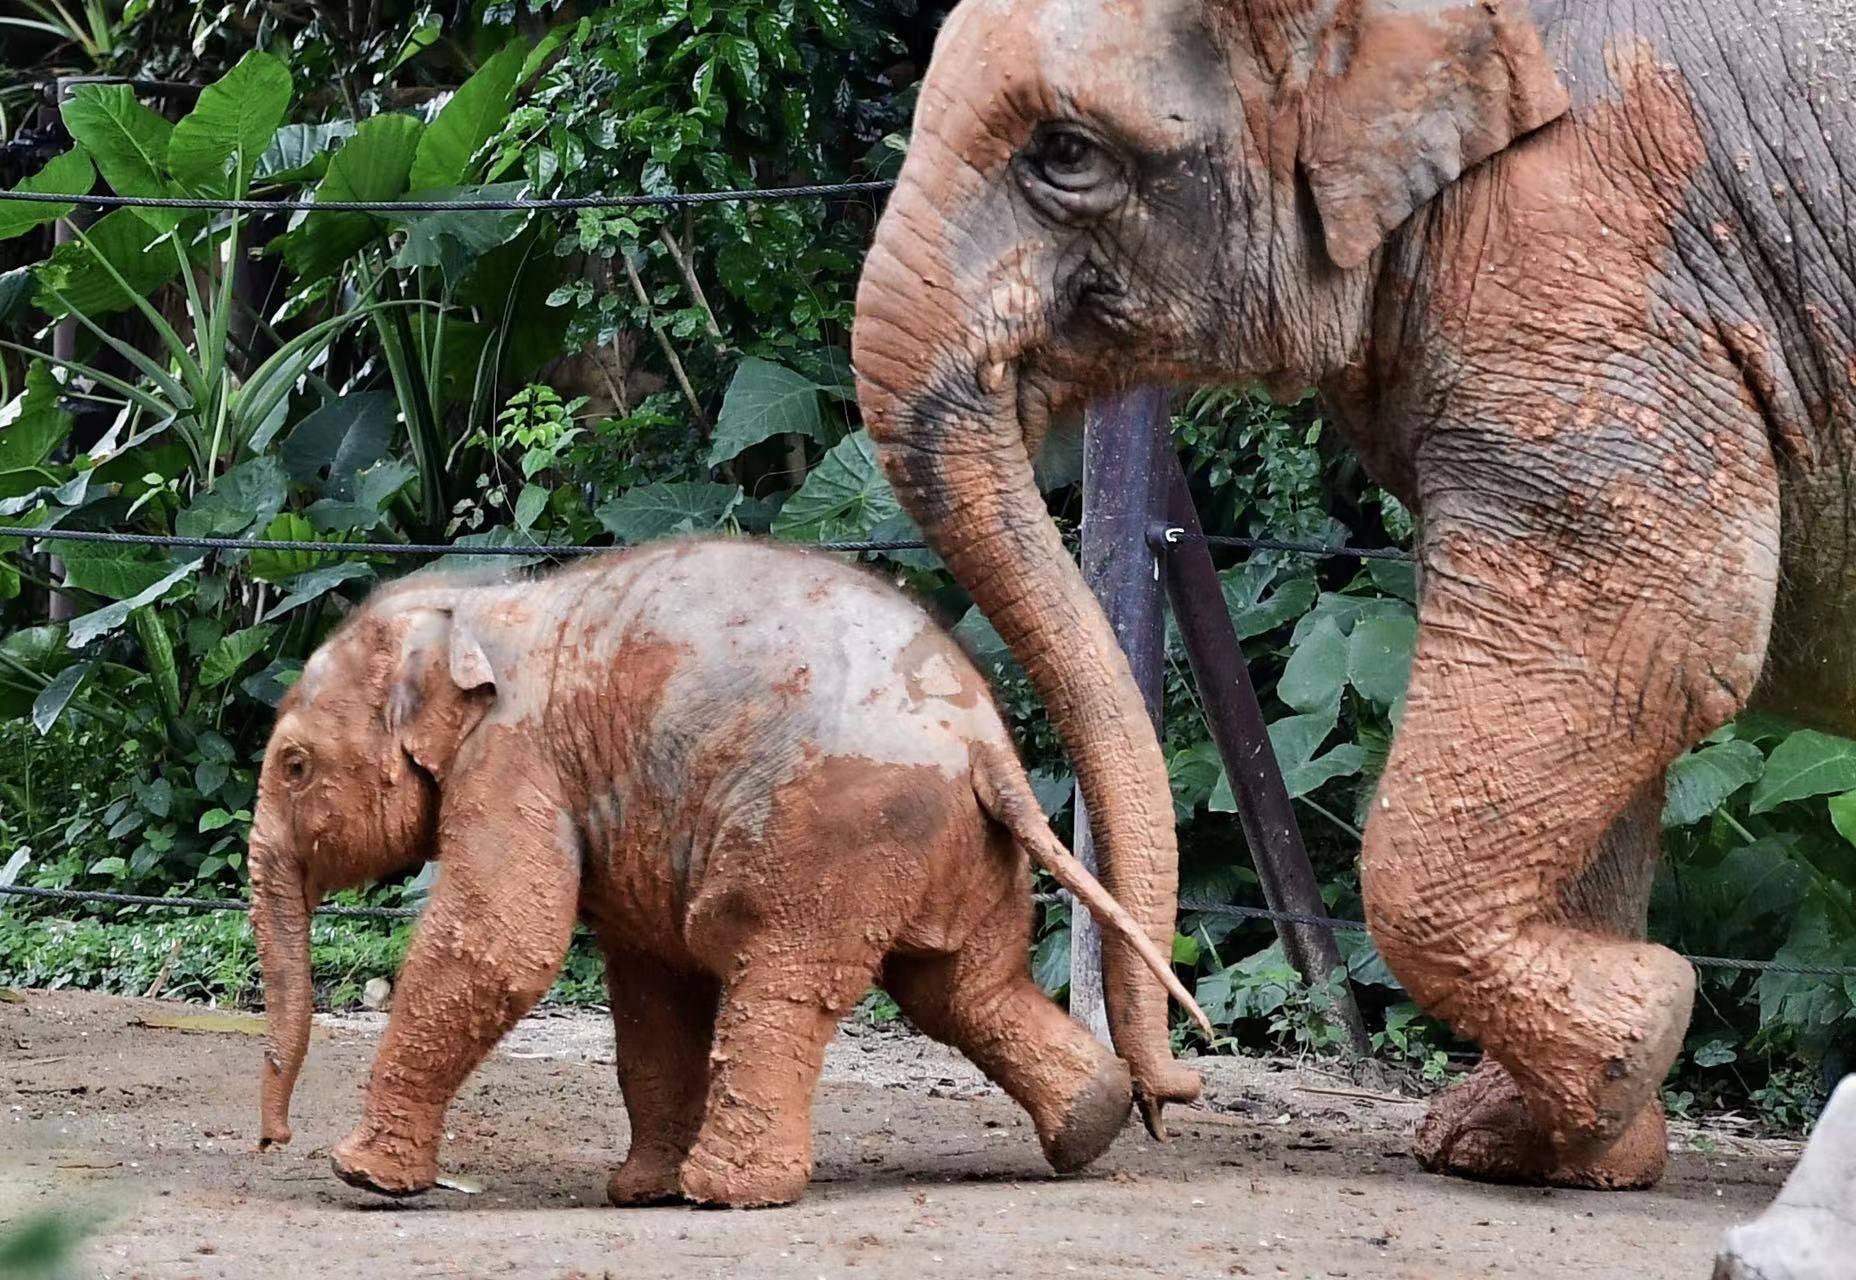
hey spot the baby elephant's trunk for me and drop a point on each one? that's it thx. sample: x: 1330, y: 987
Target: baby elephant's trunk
x: 280, y: 910
x: 1005, y: 793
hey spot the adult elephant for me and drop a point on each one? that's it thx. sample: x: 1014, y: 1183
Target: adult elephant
x: 1576, y: 280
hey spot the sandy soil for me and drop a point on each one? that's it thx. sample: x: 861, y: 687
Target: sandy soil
x: 923, y: 1170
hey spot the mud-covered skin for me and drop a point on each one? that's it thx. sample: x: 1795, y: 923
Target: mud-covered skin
x: 761, y: 776
x: 1577, y: 282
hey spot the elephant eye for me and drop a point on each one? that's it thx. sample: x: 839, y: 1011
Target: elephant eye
x: 1071, y: 160
x: 295, y: 765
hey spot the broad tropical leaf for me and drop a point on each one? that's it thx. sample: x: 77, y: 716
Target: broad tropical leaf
x: 111, y: 617
x: 70, y: 172
x: 843, y: 499
x: 233, y: 652
x: 1699, y: 782
x: 655, y: 510
x: 235, y: 116
x: 1807, y: 763
x: 475, y: 114
x: 127, y: 142
x: 764, y: 400
x: 33, y: 423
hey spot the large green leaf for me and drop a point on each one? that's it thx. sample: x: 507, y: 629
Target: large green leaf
x: 57, y: 695
x: 299, y: 151
x: 475, y: 114
x: 1252, y: 611
x: 113, y: 571
x: 1700, y: 781
x: 1379, y: 657
x: 843, y: 499
x: 372, y: 165
x: 1316, y: 672
x: 1807, y: 763
x: 344, y: 437
x: 315, y: 584
x: 107, y: 619
x: 1345, y: 611
x: 124, y: 241
x: 127, y: 141
x: 249, y: 494
x: 233, y: 652
x: 454, y: 241
x: 70, y: 172
x: 237, y: 115
x: 32, y: 424
x: 656, y: 510
x: 764, y: 400
x: 1295, y: 739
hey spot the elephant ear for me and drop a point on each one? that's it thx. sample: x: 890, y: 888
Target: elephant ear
x: 442, y: 690
x: 1403, y: 95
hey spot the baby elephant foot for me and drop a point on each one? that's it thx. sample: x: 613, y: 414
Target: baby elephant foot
x: 756, y: 1181
x: 384, y: 1164
x: 1481, y: 1129
x: 1809, y: 1232
x: 1094, y: 1118
x: 648, y: 1176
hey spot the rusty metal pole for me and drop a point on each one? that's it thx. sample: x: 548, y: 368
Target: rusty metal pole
x: 1125, y: 444
x: 62, y: 608
x: 1235, y: 719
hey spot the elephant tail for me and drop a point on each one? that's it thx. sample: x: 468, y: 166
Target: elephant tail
x: 1005, y: 794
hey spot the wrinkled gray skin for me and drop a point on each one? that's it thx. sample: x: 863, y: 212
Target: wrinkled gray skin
x: 762, y: 777
x: 1576, y: 281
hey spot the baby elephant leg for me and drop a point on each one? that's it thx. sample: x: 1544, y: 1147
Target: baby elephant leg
x: 663, y: 1021
x: 981, y: 1000
x: 780, y: 1009
x: 486, y: 950
x: 1809, y: 1232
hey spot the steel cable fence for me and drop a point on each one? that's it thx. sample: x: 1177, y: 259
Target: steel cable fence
x: 1185, y: 904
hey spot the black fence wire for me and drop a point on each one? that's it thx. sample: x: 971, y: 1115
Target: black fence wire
x: 1185, y: 904
x: 590, y: 549
x: 517, y: 204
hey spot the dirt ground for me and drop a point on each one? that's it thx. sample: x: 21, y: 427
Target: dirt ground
x: 923, y: 1170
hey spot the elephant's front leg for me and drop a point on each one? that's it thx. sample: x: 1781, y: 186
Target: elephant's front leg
x: 1590, y: 609
x: 487, y: 948
x: 1481, y: 1126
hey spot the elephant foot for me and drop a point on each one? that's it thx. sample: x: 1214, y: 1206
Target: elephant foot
x: 384, y: 1166
x: 647, y: 1177
x: 1095, y: 1118
x: 1481, y: 1129
x: 1588, y: 1027
x: 1809, y: 1232
x: 760, y: 1181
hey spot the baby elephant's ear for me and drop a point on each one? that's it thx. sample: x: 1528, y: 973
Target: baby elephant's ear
x: 443, y: 688
x: 1403, y: 96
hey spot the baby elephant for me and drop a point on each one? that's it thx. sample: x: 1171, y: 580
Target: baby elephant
x: 762, y: 777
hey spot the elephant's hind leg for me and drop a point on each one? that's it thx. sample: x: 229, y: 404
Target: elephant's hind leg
x: 981, y: 1000
x: 780, y: 1009
x: 1809, y: 1232
x: 663, y: 1022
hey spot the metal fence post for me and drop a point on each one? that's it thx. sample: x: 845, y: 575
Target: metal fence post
x: 1124, y: 488
x: 1236, y: 722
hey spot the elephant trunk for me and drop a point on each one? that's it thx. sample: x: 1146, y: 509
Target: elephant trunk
x: 939, y: 394
x: 280, y: 910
